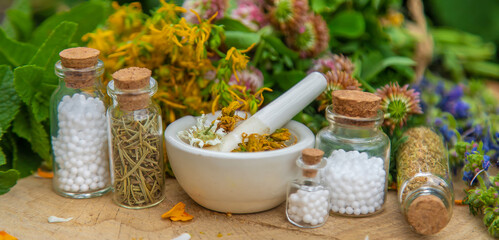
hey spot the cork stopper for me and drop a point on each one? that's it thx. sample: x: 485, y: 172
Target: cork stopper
x: 427, y: 215
x: 311, y: 156
x: 353, y: 103
x: 132, y: 78
x: 79, y: 58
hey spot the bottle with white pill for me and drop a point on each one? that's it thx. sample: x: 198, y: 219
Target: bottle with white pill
x: 78, y: 126
x: 308, y: 200
x: 357, y: 152
x: 136, y: 139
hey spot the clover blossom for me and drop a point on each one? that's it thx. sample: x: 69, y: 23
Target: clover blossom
x: 398, y: 103
x: 288, y: 15
x: 251, y: 78
x: 205, y: 8
x: 250, y: 14
x: 312, y: 38
x: 332, y: 62
x: 201, y: 134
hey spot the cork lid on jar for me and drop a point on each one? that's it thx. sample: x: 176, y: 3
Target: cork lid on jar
x: 354, y: 103
x: 128, y: 79
x: 311, y: 156
x: 79, y: 57
x: 77, y: 60
x: 427, y: 215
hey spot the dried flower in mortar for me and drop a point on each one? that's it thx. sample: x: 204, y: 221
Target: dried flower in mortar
x: 265, y: 142
x: 178, y: 213
x: 398, y: 103
x: 228, y: 119
x: 202, y: 135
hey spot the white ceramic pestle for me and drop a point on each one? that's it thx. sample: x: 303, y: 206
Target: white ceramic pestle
x: 278, y: 112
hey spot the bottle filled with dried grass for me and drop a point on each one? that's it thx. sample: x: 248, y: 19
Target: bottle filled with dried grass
x: 135, y: 132
x: 424, y: 184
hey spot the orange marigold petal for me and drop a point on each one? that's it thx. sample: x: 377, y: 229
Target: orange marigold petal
x: 45, y: 174
x: 176, y: 211
x: 184, y: 217
x: 6, y: 236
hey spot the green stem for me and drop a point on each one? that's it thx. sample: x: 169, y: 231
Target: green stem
x: 258, y: 53
x: 367, y: 86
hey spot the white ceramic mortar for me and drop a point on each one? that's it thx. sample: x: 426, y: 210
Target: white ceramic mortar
x: 234, y: 182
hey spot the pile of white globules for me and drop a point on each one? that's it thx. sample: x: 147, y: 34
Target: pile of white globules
x: 311, y: 208
x: 81, y: 148
x: 357, y: 182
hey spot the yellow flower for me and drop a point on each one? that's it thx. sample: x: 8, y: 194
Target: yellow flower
x: 238, y: 59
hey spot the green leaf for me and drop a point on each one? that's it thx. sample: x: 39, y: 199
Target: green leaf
x: 240, y: 40
x: 48, y: 54
x: 280, y: 47
x: 18, y: 23
x: 34, y: 89
x: 25, y: 126
x: 14, y: 53
x: 286, y: 80
x: 7, y: 180
x: 482, y: 68
x: 230, y: 24
x: 9, y: 101
x: 322, y: 6
x: 24, y: 159
x: 374, y: 63
x: 3, y: 160
x: 348, y: 24
x: 87, y: 15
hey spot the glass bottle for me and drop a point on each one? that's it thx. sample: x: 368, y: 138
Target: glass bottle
x: 78, y: 126
x: 358, y: 153
x: 307, y: 202
x: 136, y: 145
x: 424, y: 185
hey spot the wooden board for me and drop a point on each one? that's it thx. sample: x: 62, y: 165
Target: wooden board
x: 25, y: 209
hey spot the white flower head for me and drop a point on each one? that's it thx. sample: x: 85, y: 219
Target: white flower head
x: 202, y: 134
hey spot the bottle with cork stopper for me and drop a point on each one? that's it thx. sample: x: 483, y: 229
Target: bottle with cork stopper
x: 78, y: 126
x: 307, y: 202
x: 424, y: 183
x: 357, y: 152
x: 136, y: 139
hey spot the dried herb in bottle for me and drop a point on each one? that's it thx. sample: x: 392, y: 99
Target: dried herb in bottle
x: 136, y: 139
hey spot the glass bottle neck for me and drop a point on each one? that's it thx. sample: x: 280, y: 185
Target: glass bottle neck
x: 86, y: 79
x: 353, y: 127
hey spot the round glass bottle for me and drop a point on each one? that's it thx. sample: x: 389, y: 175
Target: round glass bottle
x: 424, y: 185
x: 307, y: 201
x: 78, y: 126
x: 136, y: 145
x: 357, y: 152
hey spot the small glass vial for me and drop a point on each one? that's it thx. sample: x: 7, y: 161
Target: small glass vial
x: 424, y: 184
x: 78, y: 126
x: 136, y: 133
x: 307, y: 202
x: 358, y: 154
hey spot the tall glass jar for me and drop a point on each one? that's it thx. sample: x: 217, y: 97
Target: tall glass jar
x: 136, y: 146
x: 307, y: 201
x: 78, y: 126
x: 358, y: 153
x: 424, y: 184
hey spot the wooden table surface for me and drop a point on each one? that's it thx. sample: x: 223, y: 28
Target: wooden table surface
x: 25, y: 209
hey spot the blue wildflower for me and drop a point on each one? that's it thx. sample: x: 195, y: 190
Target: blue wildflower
x: 468, y: 176
x: 460, y: 109
x: 486, y: 162
x: 447, y: 133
